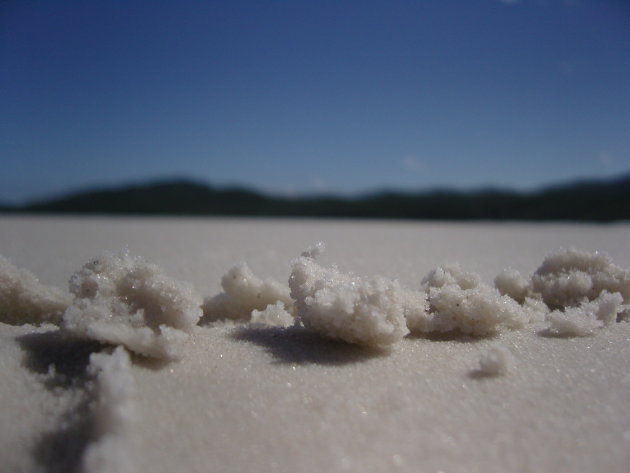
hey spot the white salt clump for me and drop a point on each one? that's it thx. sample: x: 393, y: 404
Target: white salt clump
x: 567, y: 277
x: 460, y: 301
x: 273, y: 315
x: 315, y: 250
x: 536, y: 309
x: 24, y: 300
x: 121, y: 299
x: 415, y: 307
x: 582, y: 320
x: 452, y: 274
x: 244, y: 292
x: 479, y: 312
x: 113, y: 412
x: 511, y: 283
x: 585, y: 290
x: 346, y: 307
x: 607, y: 306
x: 496, y: 361
x: 573, y: 322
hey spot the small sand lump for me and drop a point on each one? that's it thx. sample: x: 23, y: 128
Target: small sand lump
x: 244, y: 292
x: 346, y: 307
x: 496, y: 361
x: 24, y: 300
x: 121, y: 299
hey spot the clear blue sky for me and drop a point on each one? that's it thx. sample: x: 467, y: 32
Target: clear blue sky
x: 309, y: 96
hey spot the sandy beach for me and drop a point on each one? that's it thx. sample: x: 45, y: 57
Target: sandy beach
x: 253, y: 398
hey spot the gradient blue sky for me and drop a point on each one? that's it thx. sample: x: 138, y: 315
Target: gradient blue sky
x: 311, y: 96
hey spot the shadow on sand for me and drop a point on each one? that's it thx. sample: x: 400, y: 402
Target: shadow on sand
x: 453, y: 336
x: 296, y: 345
x: 62, y: 362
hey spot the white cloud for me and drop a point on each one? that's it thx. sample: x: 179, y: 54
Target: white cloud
x: 411, y: 163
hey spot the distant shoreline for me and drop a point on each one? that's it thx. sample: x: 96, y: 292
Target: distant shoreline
x: 588, y: 201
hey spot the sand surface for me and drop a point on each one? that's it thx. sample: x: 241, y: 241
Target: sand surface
x: 250, y: 398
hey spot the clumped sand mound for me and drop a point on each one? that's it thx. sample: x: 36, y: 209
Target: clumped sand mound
x: 243, y: 293
x: 569, y: 277
x: 583, y: 319
x: 347, y: 307
x: 121, y: 299
x: 116, y: 299
x: 577, y: 291
x: 574, y: 291
x: 24, y: 300
x: 460, y: 302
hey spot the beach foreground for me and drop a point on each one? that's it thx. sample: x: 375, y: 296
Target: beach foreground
x: 248, y: 397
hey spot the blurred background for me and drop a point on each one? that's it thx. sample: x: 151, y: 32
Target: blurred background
x: 286, y: 100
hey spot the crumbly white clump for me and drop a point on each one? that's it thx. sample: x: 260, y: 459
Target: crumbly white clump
x: 315, y: 250
x: 451, y: 274
x: 479, y: 312
x: 24, y: 300
x: 567, y: 277
x: 511, y: 283
x: 274, y: 315
x: 584, y: 291
x: 536, y: 309
x: 496, y: 361
x: 415, y: 307
x: 244, y: 292
x: 460, y: 301
x: 113, y: 412
x: 582, y: 320
x: 346, y: 307
x: 121, y: 299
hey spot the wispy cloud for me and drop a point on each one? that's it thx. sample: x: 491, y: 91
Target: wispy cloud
x: 411, y: 163
x: 318, y: 184
x: 606, y: 160
x: 509, y: 2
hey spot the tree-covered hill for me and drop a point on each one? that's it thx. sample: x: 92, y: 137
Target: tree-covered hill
x: 599, y: 201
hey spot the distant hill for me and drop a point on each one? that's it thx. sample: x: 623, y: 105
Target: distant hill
x: 595, y: 200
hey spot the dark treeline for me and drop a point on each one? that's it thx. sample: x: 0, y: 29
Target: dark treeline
x: 599, y: 201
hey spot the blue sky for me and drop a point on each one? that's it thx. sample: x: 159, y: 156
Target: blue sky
x: 298, y: 97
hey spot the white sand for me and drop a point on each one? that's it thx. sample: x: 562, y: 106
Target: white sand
x: 250, y: 398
